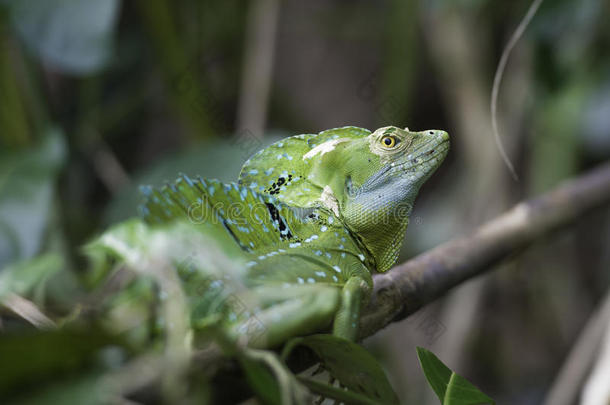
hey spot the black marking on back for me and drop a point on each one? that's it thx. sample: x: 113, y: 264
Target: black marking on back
x: 230, y: 231
x: 275, y: 216
x: 275, y: 188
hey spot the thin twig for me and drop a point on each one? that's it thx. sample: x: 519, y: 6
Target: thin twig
x: 27, y: 310
x: 569, y: 381
x: 498, y: 79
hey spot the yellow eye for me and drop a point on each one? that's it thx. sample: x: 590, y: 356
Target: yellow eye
x: 388, y: 141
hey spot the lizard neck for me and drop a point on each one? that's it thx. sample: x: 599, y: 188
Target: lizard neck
x: 379, y: 216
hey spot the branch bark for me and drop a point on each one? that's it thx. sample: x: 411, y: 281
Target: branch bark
x: 411, y: 285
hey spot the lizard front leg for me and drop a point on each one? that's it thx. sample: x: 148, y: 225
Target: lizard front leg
x: 348, y: 316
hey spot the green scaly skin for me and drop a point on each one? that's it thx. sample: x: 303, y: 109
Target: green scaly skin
x: 311, y: 218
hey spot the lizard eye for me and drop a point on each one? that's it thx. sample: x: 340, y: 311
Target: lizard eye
x: 388, y: 141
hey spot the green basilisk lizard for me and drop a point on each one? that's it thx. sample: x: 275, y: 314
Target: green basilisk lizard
x: 290, y: 248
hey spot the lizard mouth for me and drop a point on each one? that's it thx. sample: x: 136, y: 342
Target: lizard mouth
x: 426, y: 158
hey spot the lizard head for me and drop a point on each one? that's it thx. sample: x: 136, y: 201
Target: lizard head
x: 382, y: 177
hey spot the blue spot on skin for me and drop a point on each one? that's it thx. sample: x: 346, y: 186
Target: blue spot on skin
x: 328, y: 255
x: 318, y: 253
x: 312, y: 237
x: 269, y: 171
x: 253, y: 171
x: 324, y: 228
x: 211, y: 190
x: 300, y: 280
x: 293, y: 245
x: 311, y: 280
x: 337, y: 269
x: 320, y: 274
x: 335, y: 278
x: 280, y: 144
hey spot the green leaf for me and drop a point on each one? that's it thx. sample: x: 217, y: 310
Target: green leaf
x: 85, y: 389
x: 272, y: 381
x: 73, y: 36
x: 351, y: 365
x: 261, y: 381
x: 450, y: 388
x: 32, y: 358
x: 26, y: 195
x: 337, y: 393
x: 23, y: 277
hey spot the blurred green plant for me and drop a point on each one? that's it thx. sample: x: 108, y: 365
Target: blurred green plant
x: 450, y: 388
x: 74, y: 36
x: 27, y: 183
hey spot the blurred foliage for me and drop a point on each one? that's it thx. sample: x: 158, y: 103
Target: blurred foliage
x: 97, y: 98
x: 450, y: 388
x: 74, y: 36
x: 26, y: 196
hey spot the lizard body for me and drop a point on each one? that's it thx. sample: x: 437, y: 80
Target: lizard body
x: 310, y: 219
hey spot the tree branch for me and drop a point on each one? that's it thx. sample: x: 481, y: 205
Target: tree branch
x: 415, y: 283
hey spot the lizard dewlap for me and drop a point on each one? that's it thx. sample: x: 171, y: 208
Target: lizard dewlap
x: 309, y: 220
